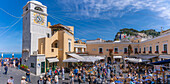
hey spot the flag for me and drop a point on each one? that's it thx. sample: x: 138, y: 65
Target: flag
x: 124, y: 35
x: 120, y: 36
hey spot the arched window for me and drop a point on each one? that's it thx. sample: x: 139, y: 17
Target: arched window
x: 39, y: 9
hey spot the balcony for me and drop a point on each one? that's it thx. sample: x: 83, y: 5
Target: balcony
x: 136, y: 52
x: 139, y: 51
x: 100, y: 52
x: 125, y: 52
x: 115, y: 52
x: 144, y: 52
x: 150, y: 52
x: 164, y: 52
x: 156, y: 52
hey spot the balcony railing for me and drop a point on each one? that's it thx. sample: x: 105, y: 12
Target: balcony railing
x: 144, y: 52
x: 164, y: 52
x: 150, y: 52
x: 139, y: 51
x: 100, y: 52
x: 115, y: 52
x: 156, y: 52
x: 136, y: 52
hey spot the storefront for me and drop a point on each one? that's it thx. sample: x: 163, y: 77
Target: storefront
x: 51, y: 63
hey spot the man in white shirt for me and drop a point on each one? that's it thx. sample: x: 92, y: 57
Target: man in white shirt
x: 11, y: 80
x: 56, y: 78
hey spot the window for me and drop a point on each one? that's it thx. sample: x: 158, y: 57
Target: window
x: 157, y: 49
x: 32, y: 65
x: 48, y: 35
x: 139, y: 50
x: 26, y: 9
x: 79, y: 50
x: 165, y: 47
x: 100, y: 50
x: 38, y: 8
x: 144, y: 50
x: 150, y: 49
x: 52, y: 50
x: 56, y: 45
x: 116, y: 50
x: 93, y: 49
x: 136, y: 50
x: 125, y: 50
x: 69, y: 45
x: 107, y: 49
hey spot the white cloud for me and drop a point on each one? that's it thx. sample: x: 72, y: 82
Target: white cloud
x: 115, y: 8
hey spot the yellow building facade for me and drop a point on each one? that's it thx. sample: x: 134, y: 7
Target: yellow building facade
x: 58, y: 45
x: 158, y: 46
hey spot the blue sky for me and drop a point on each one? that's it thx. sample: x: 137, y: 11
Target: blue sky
x: 91, y: 18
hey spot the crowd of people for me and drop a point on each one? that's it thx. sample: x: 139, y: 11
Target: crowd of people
x: 103, y: 73
x: 98, y: 73
x: 14, y: 63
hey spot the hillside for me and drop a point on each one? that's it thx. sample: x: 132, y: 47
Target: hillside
x: 134, y: 32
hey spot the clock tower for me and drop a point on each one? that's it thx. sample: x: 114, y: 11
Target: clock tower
x: 34, y: 27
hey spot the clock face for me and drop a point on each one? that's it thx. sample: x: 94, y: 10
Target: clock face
x: 38, y: 19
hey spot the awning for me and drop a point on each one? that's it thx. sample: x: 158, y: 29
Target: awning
x: 52, y: 60
x: 161, y: 62
x: 71, y: 60
x: 136, y: 60
x: 146, y: 57
x: 76, y: 56
x: 117, y: 56
x: 165, y: 56
x: 90, y: 59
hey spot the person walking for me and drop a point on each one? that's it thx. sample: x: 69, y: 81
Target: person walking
x: 10, y: 80
x: 14, y: 63
x: 28, y: 75
x: 6, y: 69
x: 63, y: 73
x: 40, y: 81
x: 56, y: 78
x: 18, y: 65
x: 23, y: 80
